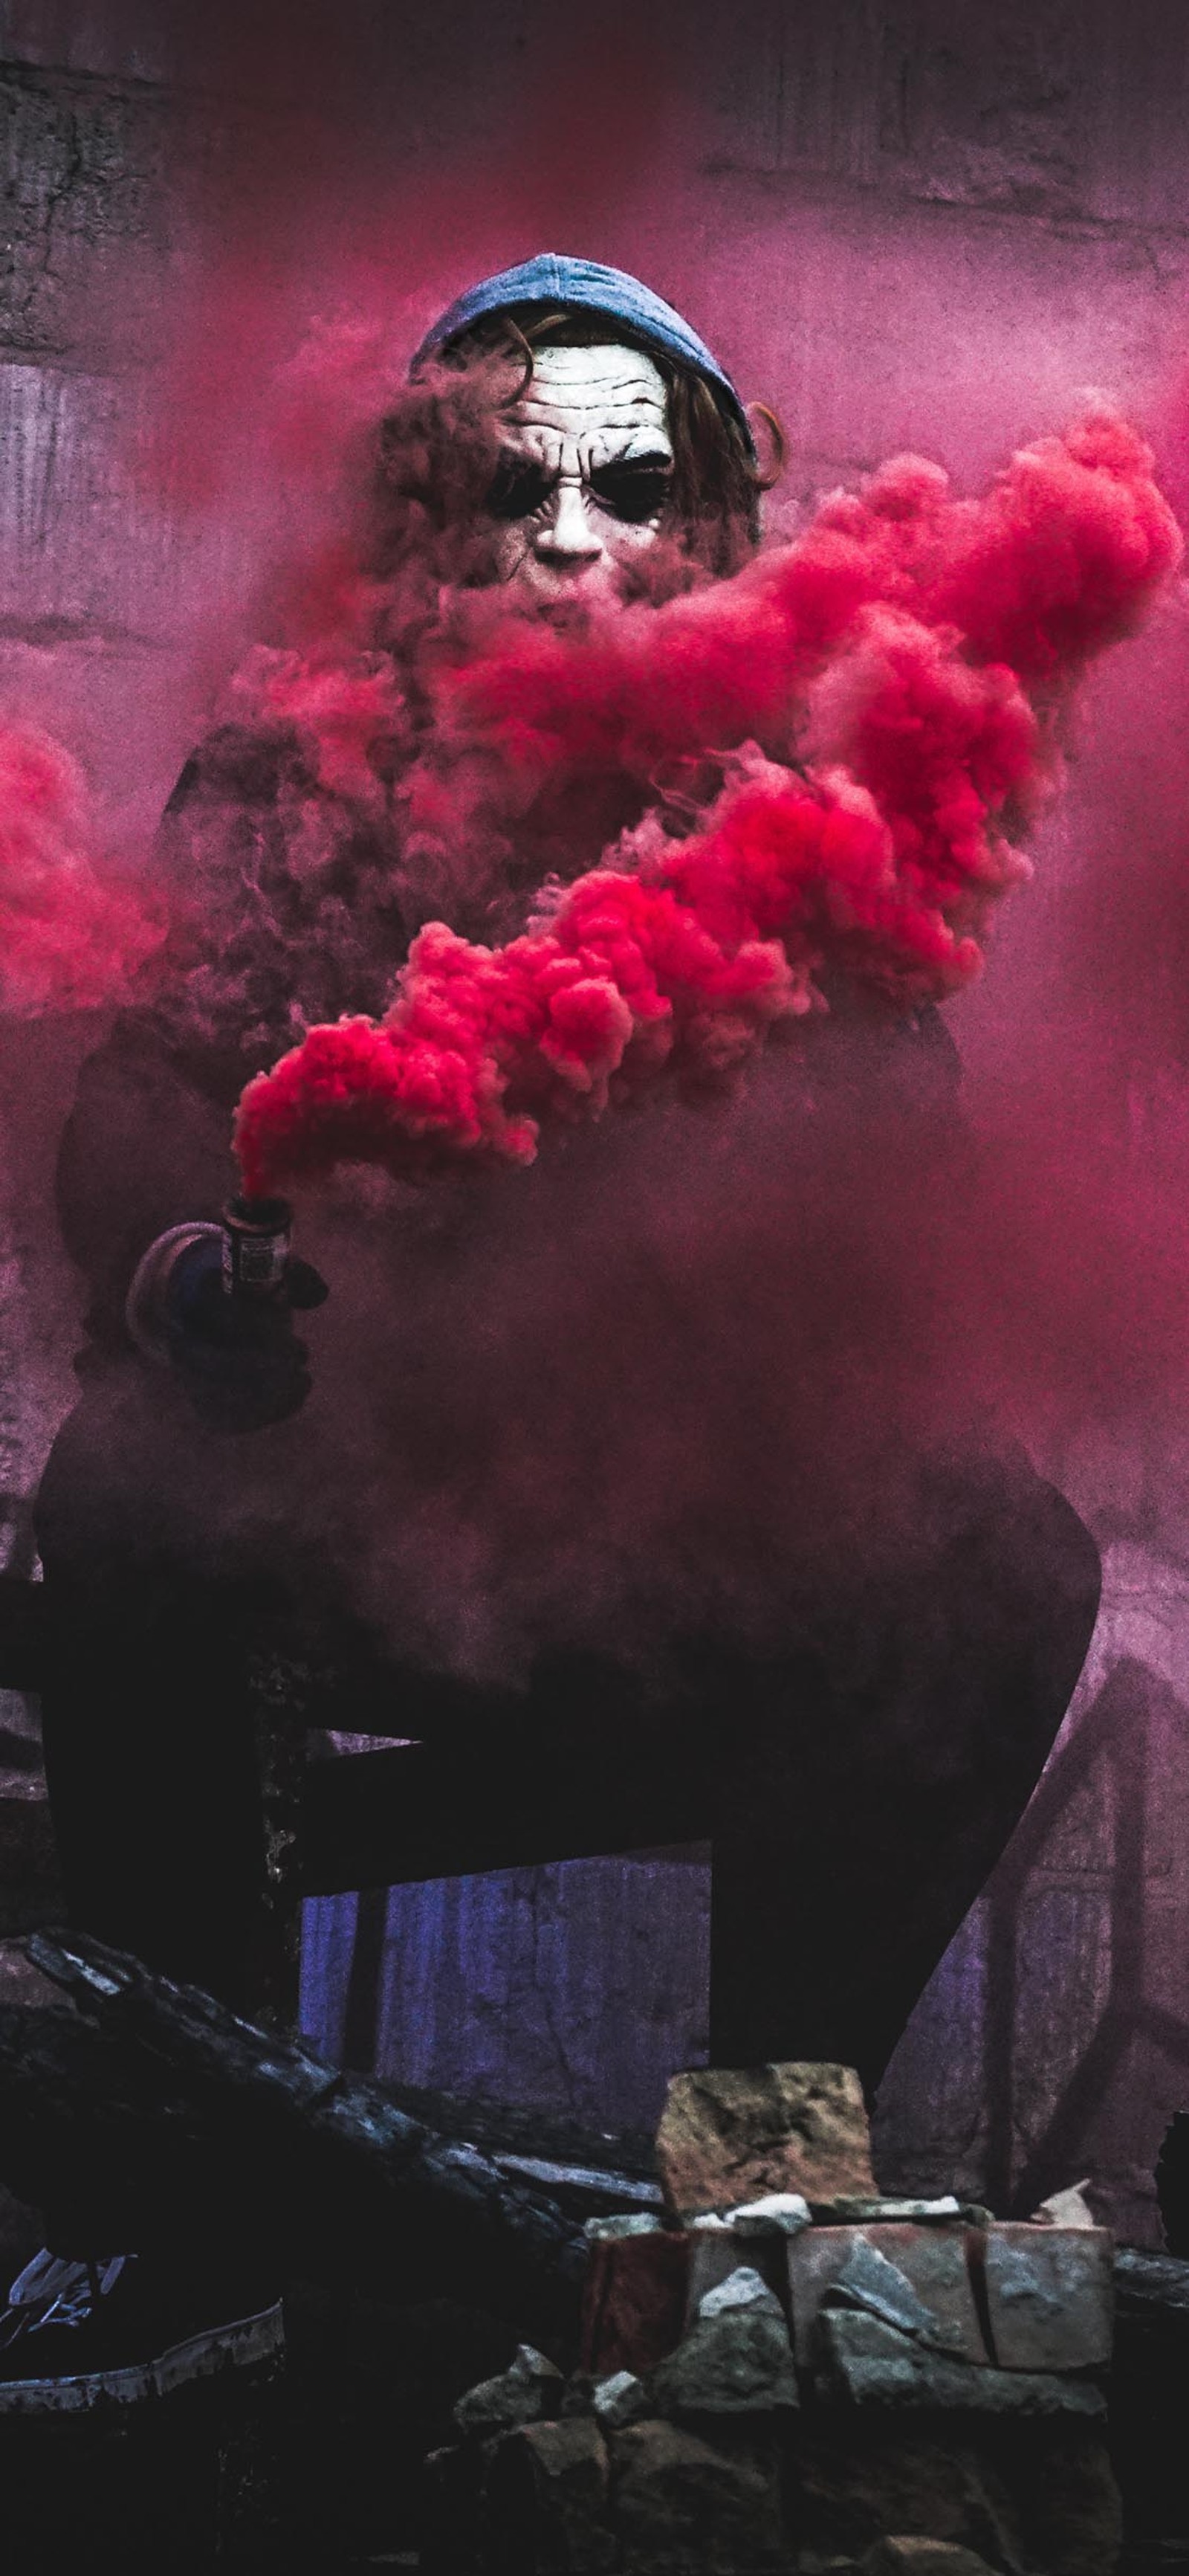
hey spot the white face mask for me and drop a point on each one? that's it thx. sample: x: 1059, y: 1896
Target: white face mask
x: 588, y: 462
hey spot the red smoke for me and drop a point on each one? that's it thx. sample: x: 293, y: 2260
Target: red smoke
x: 67, y: 940
x: 908, y: 654
x: 1054, y: 562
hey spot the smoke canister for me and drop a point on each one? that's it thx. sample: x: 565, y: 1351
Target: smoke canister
x: 256, y: 1239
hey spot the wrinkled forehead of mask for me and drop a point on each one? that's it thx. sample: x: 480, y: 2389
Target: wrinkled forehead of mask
x: 583, y: 406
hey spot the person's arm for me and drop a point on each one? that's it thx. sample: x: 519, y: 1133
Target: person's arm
x: 145, y: 1147
x: 146, y: 1150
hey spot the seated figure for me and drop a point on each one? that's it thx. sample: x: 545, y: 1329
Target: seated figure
x: 568, y: 439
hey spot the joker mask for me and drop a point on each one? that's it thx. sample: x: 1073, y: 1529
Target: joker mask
x: 586, y: 472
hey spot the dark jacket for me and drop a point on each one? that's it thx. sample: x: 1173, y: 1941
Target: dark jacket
x: 285, y: 916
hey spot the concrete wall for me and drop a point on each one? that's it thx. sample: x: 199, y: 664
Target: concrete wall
x: 905, y: 222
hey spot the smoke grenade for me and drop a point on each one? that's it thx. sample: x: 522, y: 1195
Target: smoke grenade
x: 257, y: 1235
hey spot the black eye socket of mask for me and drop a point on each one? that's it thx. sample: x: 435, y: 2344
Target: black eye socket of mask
x: 519, y: 487
x: 636, y: 488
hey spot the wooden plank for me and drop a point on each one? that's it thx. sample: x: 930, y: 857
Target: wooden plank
x: 172, y: 2102
x: 23, y: 1633
x: 437, y: 1811
x: 30, y: 1882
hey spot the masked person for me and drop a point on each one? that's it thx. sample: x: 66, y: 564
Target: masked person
x: 566, y: 442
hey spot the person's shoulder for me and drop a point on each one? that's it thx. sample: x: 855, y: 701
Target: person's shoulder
x: 285, y: 893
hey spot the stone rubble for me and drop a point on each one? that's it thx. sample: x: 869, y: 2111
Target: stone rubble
x: 862, y: 2478
x: 786, y: 2211
x: 1066, y: 2208
x: 736, y: 2358
x: 717, y: 2252
x: 683, y: 2502
x: 1050, y: 2296
x: 743, y: 2288
x: 620, y: 2400
x: 624, y: 2223
x: 547, y: 2493
x: 531, y: 2387
x: 739, y: 2365
x: 916, y: 2279
x: 635, y: 2300
x: 863, y: 2361
x: 799, y: 2374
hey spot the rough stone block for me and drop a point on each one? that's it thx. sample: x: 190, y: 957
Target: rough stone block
x: 1017, y: 2493
x: 623, y: 2222
x: 864, y: 2475
x: 683, y: 2506
x: 1050, y: 2296
x: 529, y: 2388
x: 737, y: 2361
x: 1071, y: 2508
x: 916, y: 2278
x: 743, y: 2288
x: 621, y: 2399
x: 731, y: 2135
x: 780, y: 2213
x: 863, y: 2361
x: 634, y: 2301
x: 546, y: 2502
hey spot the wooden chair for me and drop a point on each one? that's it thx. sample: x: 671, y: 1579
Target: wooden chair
x: 480, y: 1794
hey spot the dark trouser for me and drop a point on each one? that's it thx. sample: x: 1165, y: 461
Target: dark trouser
x: 850, y: 1845
x: 152, y: 1773
x: 155, y: 1610
x: 857, y: 1792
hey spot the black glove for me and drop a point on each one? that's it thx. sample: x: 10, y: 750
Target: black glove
x: 238, y: 1356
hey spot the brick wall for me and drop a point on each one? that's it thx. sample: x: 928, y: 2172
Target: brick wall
x: 911, y: 223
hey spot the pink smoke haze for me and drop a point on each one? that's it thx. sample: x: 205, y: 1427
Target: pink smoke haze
x: 70, y: 937
x: 909, y: 654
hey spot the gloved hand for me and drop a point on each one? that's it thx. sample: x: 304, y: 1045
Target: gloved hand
x: 238, y: 1357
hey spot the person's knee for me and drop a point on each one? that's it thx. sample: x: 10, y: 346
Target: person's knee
x: 1062, y: 1570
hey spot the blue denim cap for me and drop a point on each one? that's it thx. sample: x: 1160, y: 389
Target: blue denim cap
x: 550, y: 279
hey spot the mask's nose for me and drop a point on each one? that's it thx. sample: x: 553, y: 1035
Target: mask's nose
x: 569, y: 539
